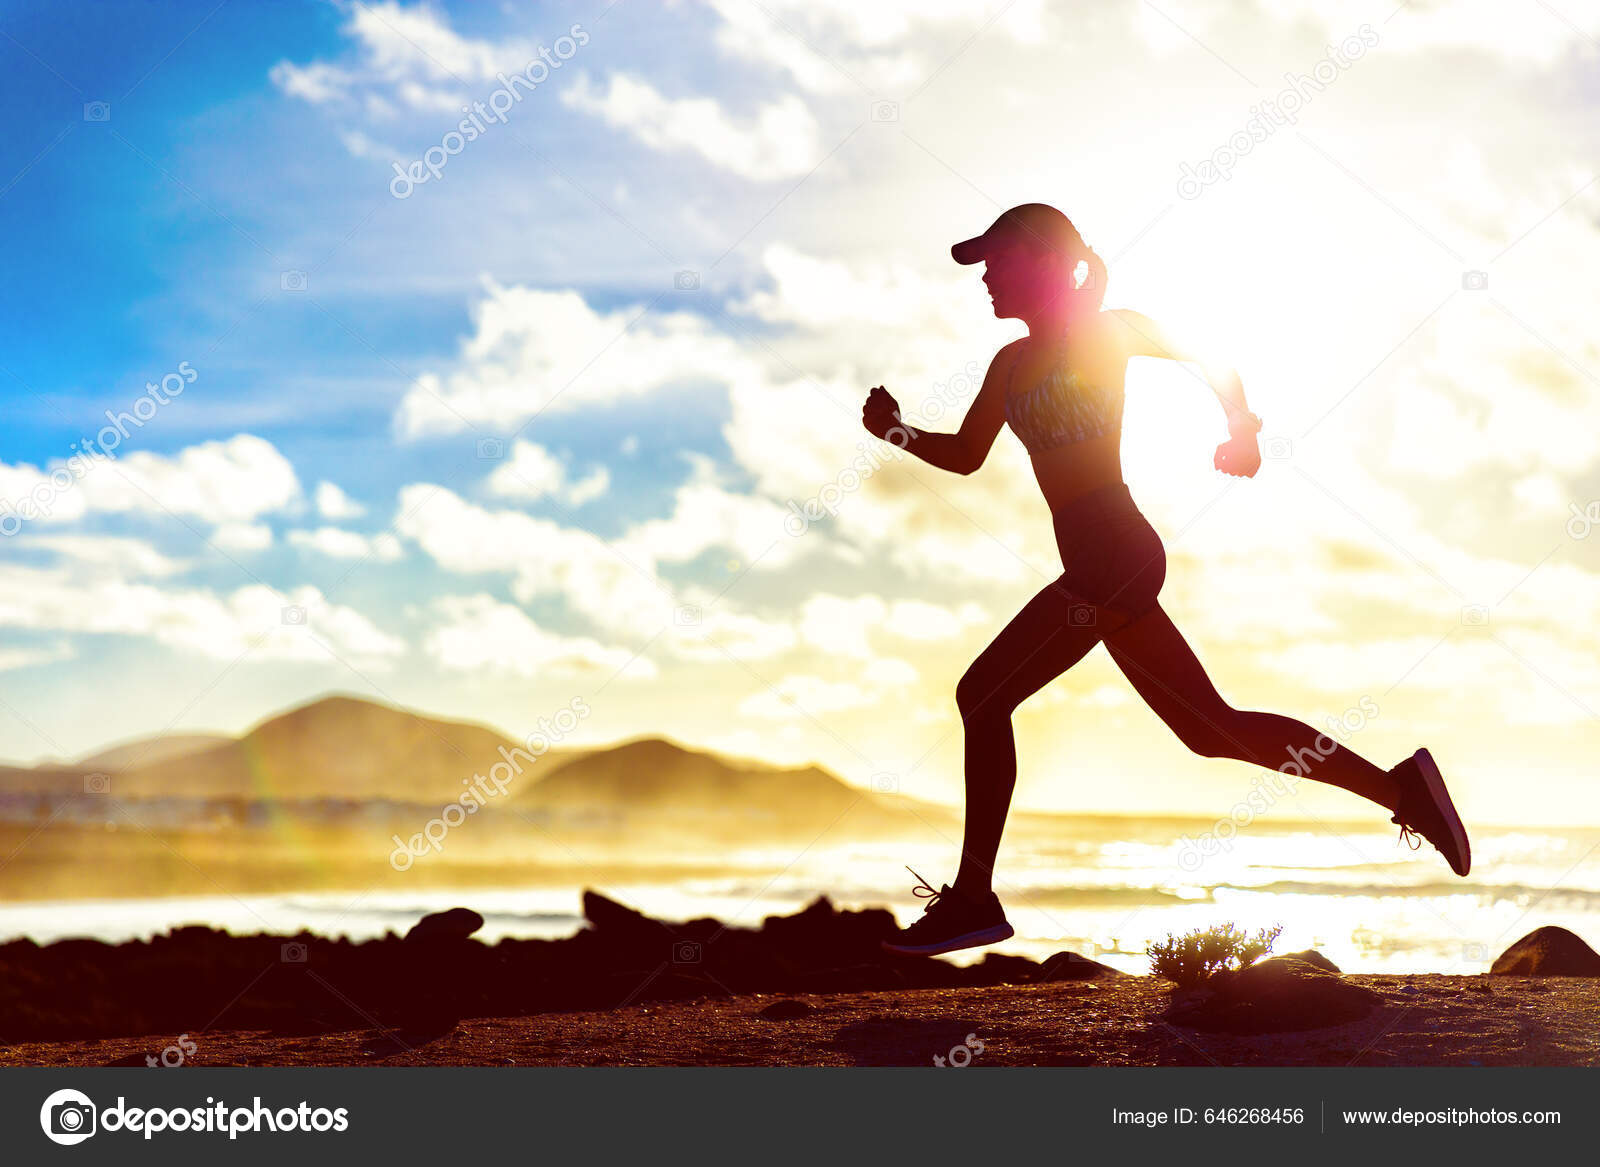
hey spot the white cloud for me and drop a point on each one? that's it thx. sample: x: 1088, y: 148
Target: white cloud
x: 800, y: 694
x: 543, y: 559
x: 778, y: 140
x: 813, y: 292
x: 890, y: 672
x: 235, y: 480
x: 590, y: 487
x: 842, y: 46
x: 1534, y: 37
x: 340, y: 544
x: 532, y: 472
x: 614, y: 586
x: 242, y: 537
x: 24, y: 658
x: 920, y: 620
x: 318, y: 82
x: 116, y: 555
x: 479, y: 633
x: 333, y: 503
x: 361, y: 146
x: 708, y: 515
x: 535, y: 350
x: 414, y: 58
x: 257, y: 621
x: 1541, y: 492
x: 718, y: 632
x: 839, y: 626
x: 217, y: 482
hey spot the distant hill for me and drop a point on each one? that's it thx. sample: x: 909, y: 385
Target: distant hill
x: 357, y: 751
x: 338, y: 747
x: 149, y: 750
x: 652, y: 781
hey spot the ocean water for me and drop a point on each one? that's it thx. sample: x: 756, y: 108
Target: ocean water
x: 1106, y: 887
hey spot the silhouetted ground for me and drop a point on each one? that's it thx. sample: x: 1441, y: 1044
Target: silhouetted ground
x: 812, y: 988
x: 1423, y: 1020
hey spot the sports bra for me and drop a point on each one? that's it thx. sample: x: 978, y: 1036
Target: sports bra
x: 1062, y: 410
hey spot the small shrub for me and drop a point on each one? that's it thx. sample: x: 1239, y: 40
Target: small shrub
x: 1189, y: 959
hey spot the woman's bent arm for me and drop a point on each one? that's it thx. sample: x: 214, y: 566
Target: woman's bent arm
x: 961, y: 452
x: 1143, y: 337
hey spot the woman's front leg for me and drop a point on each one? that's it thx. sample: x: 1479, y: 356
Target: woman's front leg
x: 1053, y: 632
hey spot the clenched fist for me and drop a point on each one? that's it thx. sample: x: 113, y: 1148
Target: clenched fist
x: 881, y: 413
x: 1239, y: 456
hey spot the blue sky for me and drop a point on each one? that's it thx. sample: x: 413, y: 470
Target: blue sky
x: 559, y: 466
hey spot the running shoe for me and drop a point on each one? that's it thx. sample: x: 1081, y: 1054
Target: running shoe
x: 952, y: 920
x: 1426, y: 812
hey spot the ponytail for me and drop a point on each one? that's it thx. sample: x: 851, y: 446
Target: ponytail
x: 1092, y: 288
x: 1086, y: 292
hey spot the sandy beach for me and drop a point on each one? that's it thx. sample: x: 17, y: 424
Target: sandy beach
x: 1423, y: 1021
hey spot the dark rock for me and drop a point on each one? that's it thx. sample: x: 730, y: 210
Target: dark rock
x: 623, y: 937
x: 1312, y: 956
x: 786, y: 1011
x: 1548, y: 952
x: 456, y: 924
x: 1272, y: 996
x: 849, y: 937
x: 606, y: 915
x: 998, y: 969
x: 440, y: 973
x: 1070, y: 966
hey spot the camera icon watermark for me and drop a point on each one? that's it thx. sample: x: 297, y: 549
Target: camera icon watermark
x: 293, y: 615
x: 686, y: 281
x: 1474, y: 281
x: 97, y: 783
x: 68, y: 1117
x: 686, y: 616
x: 1278, y: 449
x: 1082, y: 616
x: 292, y: 281
x: 884, y: 783
x: 685, y: 952
x: 1475, y: 616
x: 490, y: 450
x: 97, y: 111
x: 885, y: 111
x: 293, y: 952
x: 1474, y: 951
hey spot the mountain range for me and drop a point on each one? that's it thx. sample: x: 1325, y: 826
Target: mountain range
x: 350, y: 749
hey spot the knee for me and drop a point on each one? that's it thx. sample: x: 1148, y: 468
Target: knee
x: 1207, y: 745
x: 1207, y: 737
x: 978, y: 700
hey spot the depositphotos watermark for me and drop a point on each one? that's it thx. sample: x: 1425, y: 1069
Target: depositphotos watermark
x: 1267, y: 116
x: 480, y: 789
x: 960, y: 1056
x: 68, y: 1117
x: 481, y: 115
x: 1267, y: 789
x: 88, y: 453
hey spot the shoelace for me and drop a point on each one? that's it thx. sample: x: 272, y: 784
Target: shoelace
x: 1409, y: 835
x: 924, y: 890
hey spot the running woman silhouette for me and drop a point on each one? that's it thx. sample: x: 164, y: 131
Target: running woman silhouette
x: 1060, y: 389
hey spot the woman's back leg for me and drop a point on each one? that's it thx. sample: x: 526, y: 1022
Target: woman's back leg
x: 1161, y: 666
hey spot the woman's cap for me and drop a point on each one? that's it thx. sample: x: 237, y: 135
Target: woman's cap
x: 1035, y: 225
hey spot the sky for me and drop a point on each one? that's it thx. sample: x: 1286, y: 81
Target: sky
x: 307, y: 392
